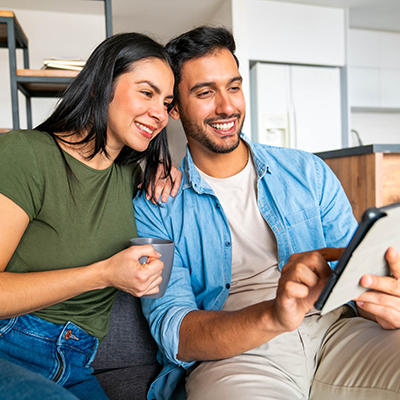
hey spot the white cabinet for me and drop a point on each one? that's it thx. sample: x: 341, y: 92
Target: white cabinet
x: 295, y: 33
x: 364, y: 87
x: 296, y: 106
x: 374, y: 75
x: 363, y: 48
x: 390, y: 88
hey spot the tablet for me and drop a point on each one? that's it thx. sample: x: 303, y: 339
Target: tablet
x: 379, y: 229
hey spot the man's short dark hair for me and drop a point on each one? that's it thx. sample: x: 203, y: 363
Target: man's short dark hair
x: 196, y: 43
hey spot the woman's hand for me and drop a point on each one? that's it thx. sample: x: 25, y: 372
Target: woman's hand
x: 164, y: 187
x: 124, y: 271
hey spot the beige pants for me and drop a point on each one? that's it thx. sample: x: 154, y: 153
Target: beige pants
x: 330, y: 357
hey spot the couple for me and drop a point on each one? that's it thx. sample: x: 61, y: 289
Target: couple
x: 238, y: 299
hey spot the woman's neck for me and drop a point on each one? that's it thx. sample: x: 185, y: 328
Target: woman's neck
x: 83, y: 151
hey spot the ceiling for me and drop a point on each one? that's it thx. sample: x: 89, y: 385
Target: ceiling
x: 166, y: 18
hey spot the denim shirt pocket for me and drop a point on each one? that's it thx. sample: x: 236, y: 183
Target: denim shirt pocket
x: 305, y: 229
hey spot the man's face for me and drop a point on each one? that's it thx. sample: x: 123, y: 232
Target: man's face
x: 211, y: 105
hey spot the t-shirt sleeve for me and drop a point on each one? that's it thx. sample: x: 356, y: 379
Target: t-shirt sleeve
x: 20, y: 178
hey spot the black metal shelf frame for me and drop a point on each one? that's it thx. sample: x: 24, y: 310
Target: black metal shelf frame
x: 16, y: 39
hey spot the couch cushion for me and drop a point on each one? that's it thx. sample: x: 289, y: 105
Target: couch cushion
x: 129, y: 342
x: 130, y: 383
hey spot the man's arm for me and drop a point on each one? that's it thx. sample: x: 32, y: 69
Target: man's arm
x: 212, y: 335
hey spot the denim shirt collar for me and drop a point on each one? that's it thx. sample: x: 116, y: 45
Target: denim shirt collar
x: 191, y: 177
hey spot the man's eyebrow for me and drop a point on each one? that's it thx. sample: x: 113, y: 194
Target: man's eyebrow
x: 207, y: 84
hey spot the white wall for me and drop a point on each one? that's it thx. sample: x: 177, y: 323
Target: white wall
x: 222, y: 15
x: 376, y: 128
x: 50, y: 34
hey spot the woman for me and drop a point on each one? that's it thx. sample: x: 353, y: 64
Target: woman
x: 66, y: 217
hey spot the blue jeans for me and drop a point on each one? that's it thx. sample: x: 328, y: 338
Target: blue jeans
x: 37, y: 348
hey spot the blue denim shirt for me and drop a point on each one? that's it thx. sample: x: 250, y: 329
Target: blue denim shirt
x: 299, y: 197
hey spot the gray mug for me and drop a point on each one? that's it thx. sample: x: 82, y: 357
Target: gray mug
x: 166, y: 249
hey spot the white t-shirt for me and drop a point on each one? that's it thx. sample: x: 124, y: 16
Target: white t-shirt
x: 255, y: 271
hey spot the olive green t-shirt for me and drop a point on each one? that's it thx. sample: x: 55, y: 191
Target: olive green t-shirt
x: 67, y: 231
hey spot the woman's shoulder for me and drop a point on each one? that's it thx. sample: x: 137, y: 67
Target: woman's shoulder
x: 26, y: 138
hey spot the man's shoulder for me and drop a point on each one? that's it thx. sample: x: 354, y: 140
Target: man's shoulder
x: 141, y: 203
x: 283, y: 155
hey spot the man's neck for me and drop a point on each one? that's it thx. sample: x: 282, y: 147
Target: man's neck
x: 220, y: 165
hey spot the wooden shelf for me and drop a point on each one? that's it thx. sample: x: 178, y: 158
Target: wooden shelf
x: 44, y: 83
x: 21, y: 38
x: 60, y: 73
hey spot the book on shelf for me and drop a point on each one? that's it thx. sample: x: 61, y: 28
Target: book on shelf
x: 59, y: 63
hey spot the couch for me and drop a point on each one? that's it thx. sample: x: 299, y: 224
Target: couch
x: 126, y: 364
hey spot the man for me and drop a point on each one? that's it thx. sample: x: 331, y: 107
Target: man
x: 239, y: 298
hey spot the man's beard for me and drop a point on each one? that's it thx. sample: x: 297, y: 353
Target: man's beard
x: 199, y: 134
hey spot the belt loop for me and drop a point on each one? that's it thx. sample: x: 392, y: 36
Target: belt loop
x: 8, y: 326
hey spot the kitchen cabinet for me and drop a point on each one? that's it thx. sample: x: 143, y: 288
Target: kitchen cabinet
x: 370, y: 175
x: 295, y: 33
x: 364, y: 87
x: 374, y: 64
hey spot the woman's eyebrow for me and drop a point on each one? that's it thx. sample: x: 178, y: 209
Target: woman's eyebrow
x: 152, y: 85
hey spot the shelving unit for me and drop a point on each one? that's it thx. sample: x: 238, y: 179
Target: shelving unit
x: 34, y: 83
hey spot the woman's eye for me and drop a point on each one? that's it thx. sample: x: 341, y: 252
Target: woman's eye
x: 167, y: 105
x: 147, y: 93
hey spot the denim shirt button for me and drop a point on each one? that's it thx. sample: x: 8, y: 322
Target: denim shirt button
x: 228, y: 286
x: 227, y: 244
x: 217, y: 205
x: 68, y: 334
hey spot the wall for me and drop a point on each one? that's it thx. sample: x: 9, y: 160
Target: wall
x: 50, y: 34
x: 375, y: 128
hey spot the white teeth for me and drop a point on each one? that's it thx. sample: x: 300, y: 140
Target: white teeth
x: 223, y: 127
x: 144, y: 128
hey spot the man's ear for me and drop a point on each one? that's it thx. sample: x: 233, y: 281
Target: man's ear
x: 174, y: 113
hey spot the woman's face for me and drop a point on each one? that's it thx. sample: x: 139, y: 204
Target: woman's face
x: 138, y: 110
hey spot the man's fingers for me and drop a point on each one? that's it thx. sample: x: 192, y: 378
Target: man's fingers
x: 393, y: 260
x: 331, y: 253
x: 387, y: 314
x: 315, y: 260
x: 383, y: 284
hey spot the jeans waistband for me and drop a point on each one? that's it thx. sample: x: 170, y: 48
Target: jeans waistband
x: 68, y: 334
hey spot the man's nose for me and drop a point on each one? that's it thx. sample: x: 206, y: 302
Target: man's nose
x: 224, y: 105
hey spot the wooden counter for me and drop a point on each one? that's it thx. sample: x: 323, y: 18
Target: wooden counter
x: 370, y: 175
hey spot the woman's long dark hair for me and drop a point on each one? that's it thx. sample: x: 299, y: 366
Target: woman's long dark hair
x: 83, y: 108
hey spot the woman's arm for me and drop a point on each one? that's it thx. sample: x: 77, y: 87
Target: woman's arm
x: 22, y: 293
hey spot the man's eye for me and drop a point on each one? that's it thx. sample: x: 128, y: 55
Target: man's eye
x: 168, y: 105
x: 204, y: 94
